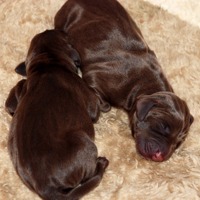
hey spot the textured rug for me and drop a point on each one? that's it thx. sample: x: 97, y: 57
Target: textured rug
x: 129, y: 176
x: 187, y: 10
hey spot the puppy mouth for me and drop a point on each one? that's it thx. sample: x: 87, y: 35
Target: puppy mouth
x: 152, y: 150
x: 158, y: 157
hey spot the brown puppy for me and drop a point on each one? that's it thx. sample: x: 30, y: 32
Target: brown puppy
x: 125, y: 73
x: 51, y: 136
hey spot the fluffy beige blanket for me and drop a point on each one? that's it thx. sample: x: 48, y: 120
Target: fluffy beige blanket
x: 129, y: 176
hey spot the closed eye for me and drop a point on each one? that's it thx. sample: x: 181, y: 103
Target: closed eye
x: 161, y: 128
x: 165, y: 128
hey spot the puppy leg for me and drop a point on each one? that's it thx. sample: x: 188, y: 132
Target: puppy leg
x: 91, y: 81
x: 14, y: 96
x: 92, y: 103
x: 78, y: 192
x: 86, y: 187
x: 93, y: 110
x: 104, y: 105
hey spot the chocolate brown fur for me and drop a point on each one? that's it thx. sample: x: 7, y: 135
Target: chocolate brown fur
x: 118, y: 64
x: 51, y: 135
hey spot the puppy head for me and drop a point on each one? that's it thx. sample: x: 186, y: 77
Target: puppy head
x: 50, y: 46
x: 160, y: 124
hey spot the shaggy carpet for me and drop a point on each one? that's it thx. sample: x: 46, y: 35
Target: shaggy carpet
x: 129, y: 176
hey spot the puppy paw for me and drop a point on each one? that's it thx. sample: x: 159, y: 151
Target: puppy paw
x: 105, y: 107
x: 102, y: 162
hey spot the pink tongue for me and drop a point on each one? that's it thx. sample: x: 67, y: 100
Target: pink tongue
x: 157, y: 157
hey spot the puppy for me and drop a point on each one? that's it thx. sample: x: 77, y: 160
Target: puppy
x: 125, y: 73
x: 51, y: 135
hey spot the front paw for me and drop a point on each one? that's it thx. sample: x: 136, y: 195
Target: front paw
x: 105, y: 107
x: 103, y: 162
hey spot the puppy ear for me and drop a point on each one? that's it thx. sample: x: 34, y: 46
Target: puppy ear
x: 191, y: 119
x: 130, y: 100
x: 21, y: 69
x: 143, y: 106
x: 14, y: 96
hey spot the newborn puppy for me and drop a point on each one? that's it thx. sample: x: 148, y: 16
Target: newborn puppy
x: 118, y: 64
x: 51, y: 135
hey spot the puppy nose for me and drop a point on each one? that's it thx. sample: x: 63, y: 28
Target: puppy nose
x: 157, y: 157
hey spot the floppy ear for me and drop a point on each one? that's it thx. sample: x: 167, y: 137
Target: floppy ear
x: 14, y: 97
x: 130, y: 100
x: 191, y: 119
x: 21, y: 69
x: 143, y: 106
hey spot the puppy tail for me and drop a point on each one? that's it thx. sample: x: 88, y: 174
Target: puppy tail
x: 84, y: 188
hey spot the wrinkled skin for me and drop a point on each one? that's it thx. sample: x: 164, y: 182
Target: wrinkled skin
x: 160, y: 124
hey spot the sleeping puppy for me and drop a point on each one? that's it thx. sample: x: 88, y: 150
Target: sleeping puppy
x: 125, y: 73
x: 51, y: 135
